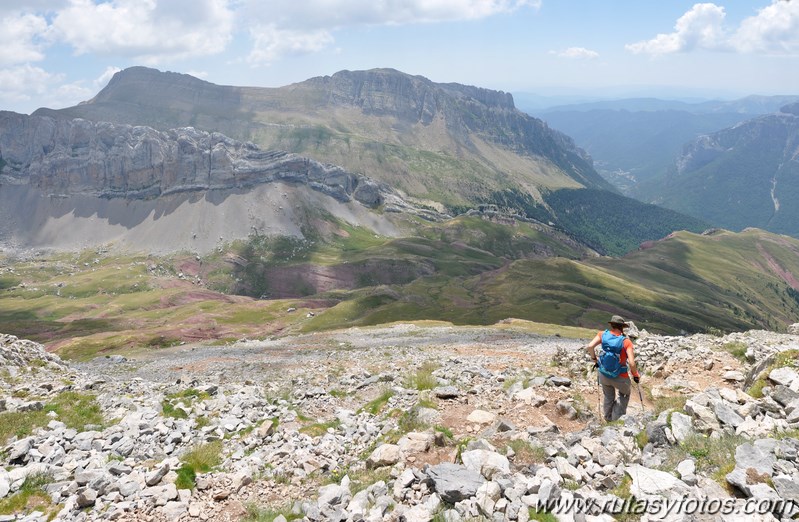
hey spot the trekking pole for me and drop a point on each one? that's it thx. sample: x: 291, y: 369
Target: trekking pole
x: 640, y: 396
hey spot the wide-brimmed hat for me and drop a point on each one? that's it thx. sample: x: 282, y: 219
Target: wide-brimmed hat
x: 618, y: 320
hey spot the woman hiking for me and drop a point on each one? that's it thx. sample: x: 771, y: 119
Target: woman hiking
x: 613, y: 360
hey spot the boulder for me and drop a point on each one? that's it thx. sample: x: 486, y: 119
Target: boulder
x: 784, y: 376
x: 727, y: 415
x: 416, y: 442
x: 681, y: 426
x: 446, y: 392
x: 481, y: 417
x: 487, y: 463
x: 384, y: 455
x: 453, y: 482
x: 755, y: 456
x: 647, y: 481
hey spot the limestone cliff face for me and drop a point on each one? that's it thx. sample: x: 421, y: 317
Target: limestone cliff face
x: 70, y: 157
x: 385, y: 97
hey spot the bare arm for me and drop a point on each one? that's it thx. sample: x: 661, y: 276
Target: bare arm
x: 590, y: 347
x: 631, y: 361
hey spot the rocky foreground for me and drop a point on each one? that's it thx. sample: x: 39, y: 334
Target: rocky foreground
x: 396, y: 423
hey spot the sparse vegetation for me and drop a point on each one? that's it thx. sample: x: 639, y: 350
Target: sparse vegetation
x: 737, y: 349
x: 669, y: 402
x: 376, y: 405
x: 527, y: 452
x: 76, y: 410
x: 200, y: 459
x: 713, y: 456
x: 320, y: 428
x: 30, y: 497
x: 257, y: 513
x: 422, y: 378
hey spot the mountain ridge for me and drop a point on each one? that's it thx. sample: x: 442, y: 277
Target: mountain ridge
x: 405, y: 130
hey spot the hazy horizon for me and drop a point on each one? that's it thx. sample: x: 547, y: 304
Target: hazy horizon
x: 57, y: 53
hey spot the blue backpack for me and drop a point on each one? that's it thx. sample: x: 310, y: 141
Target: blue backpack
x: 610, y: 355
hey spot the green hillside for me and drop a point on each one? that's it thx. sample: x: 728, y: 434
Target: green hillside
x: 685, y: 283
x: 467, y: 271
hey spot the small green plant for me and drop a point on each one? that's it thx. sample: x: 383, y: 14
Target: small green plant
x: 527, y: 452
x: 376, y: 405
x: 320, y: 428
x: 339, y: 394
x: 76, y: 410
x: 422, y: 378
x: 737, y: 349
x: 541, y: 516
x: 200, y: 459
x: 623, y: 489
x: 642, y: 439
x: 30, y: 497
x: 170, y: 410
x: 444, y: 431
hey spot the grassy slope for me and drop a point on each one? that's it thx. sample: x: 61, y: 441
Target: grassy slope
x: 685, y: 283
x: 479, y: 273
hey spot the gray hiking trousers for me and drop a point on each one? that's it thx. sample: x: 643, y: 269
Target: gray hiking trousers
x: 614, y: 407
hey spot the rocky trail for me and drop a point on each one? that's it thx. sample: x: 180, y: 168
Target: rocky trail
x: 403, y: 422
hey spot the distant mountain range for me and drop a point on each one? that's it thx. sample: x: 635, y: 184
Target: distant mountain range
x: 743, y: 176
x: 447, y: 147
x: 447, y: 143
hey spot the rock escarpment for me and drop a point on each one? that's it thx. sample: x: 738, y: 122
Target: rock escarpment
x: 79, y: 157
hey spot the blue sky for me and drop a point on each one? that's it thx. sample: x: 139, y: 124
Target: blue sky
x: 56, y: 53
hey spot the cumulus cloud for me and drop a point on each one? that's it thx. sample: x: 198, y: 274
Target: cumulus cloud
x: 702, y: 27
x: 102, y: 80
x: 333, y: 14
x: 292, y: 27
x: 576, y: 53
x: 31, y: 87
x: 270, y: 43
x: 22, y: 38
x: 773, y: 30
x: 149, y: 30
x: 21, y: 83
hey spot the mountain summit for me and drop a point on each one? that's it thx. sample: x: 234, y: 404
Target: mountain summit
x: 446, y: 143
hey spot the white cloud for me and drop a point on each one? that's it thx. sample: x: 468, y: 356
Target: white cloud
x: 270, y: 43
x: 700, y: 28
x: 102, y: 80
x: 297, y: 27
x: 27, y: 87
x: 22, y: 82
x: 21, y: 39
x: 150, y: 30
x: 333, y: 14
x: 576, y: 53
x: 775, y: 29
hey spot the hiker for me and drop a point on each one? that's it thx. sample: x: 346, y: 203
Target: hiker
x: 612, y: 360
